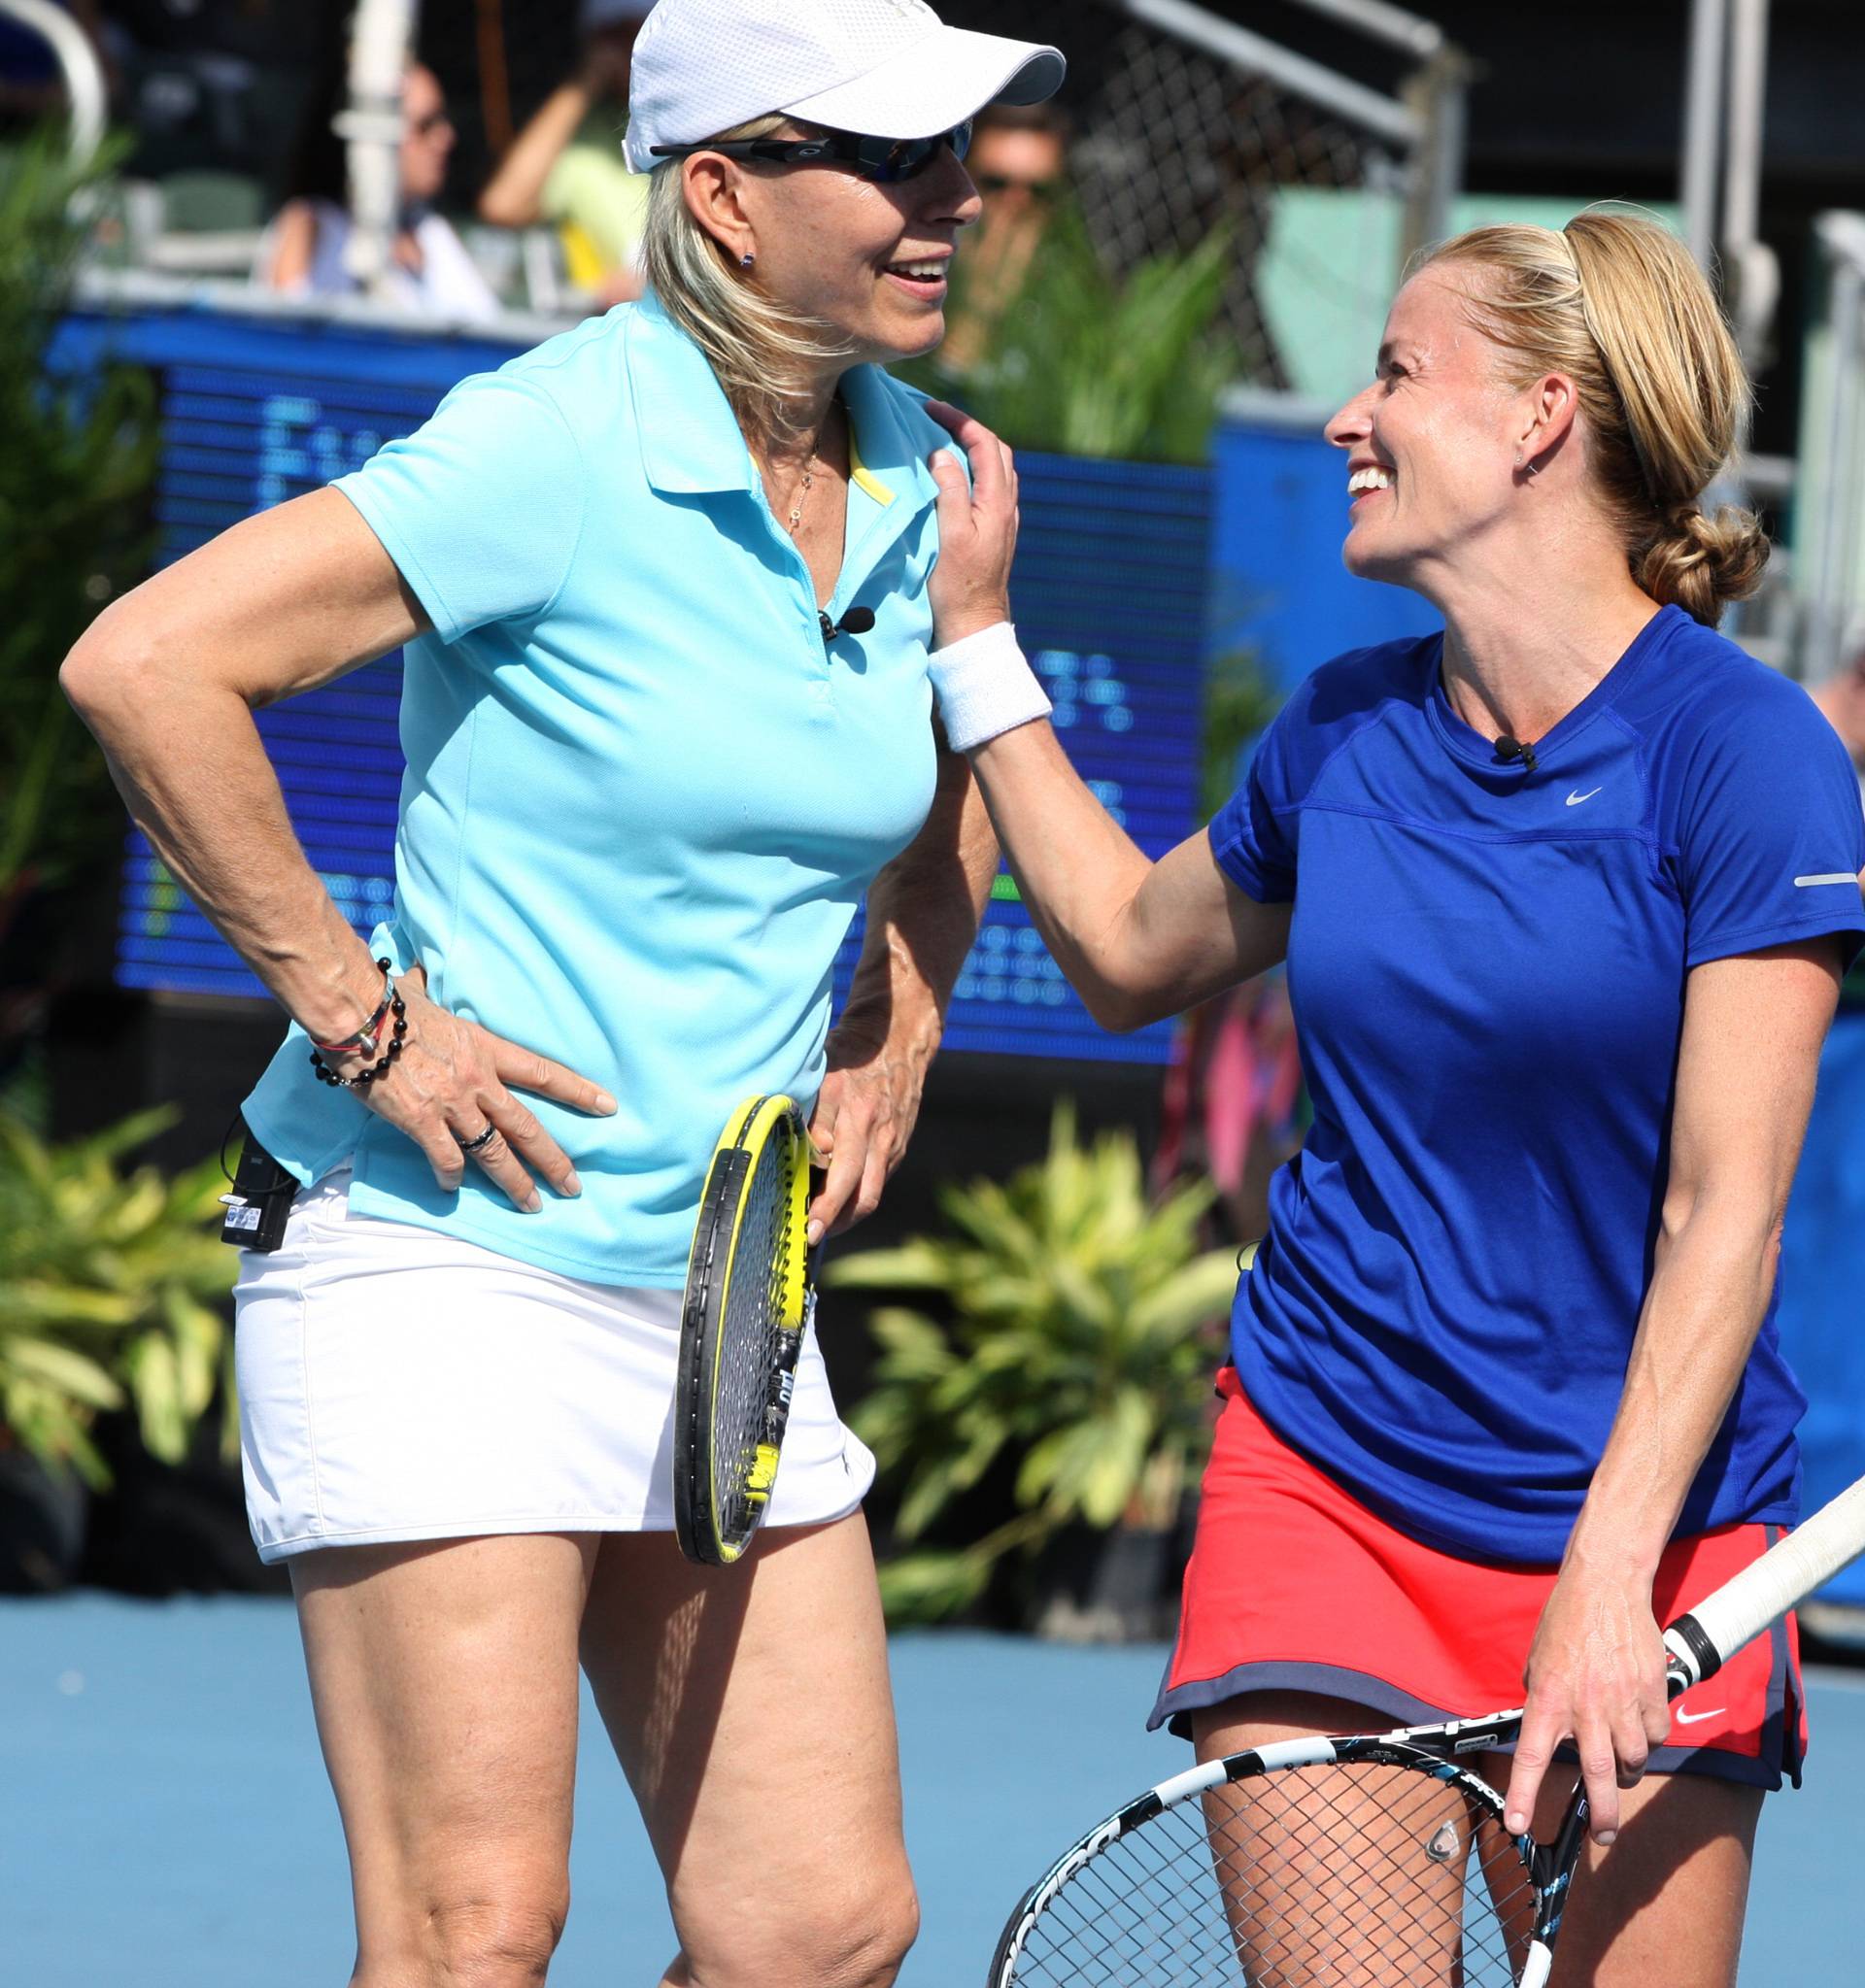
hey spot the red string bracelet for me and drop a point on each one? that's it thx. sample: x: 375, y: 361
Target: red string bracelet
x: 367, y: 1041
x: 364, y: 1041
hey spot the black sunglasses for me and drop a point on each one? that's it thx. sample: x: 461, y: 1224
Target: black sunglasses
x: 884, y: 160
x: 1003, y: 183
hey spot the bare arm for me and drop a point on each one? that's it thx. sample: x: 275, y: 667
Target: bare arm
x: 1139, y: 940
x: 168, y: 678
x: 513, y: 196
x: 294, y: 241
x: 923, y: 916
x: 1752, y: 1030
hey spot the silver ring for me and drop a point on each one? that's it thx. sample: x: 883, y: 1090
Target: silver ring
x: 478, y: 1145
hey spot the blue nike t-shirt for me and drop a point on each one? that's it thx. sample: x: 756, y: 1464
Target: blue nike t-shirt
x: 1487, y: 970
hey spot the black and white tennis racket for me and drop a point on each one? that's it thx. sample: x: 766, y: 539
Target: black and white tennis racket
x: 748, y: 1306
x: 1373, y: 1862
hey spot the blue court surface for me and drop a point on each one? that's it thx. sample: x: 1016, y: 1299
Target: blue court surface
x: 165, y: 1823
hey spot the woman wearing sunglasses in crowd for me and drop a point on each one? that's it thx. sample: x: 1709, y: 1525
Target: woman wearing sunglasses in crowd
x: 305, y: 251
x: 667, y: 588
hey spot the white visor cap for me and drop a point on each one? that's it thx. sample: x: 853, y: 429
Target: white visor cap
x: 883, y: 68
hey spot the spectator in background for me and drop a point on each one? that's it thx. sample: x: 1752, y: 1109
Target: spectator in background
x: 303, y: 254
x: 567, y: 166
x: 1019, y: 162
x: 1842, y: 697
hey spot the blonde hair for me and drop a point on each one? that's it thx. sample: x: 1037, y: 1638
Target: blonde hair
x: 1616, y: 303
x: 760, y: 349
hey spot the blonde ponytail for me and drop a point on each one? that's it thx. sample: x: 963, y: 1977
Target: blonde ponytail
x: 1615, y: 303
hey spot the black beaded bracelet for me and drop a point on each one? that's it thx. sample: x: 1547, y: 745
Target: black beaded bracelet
x: 364, y: 1041
x: 361, y: 1081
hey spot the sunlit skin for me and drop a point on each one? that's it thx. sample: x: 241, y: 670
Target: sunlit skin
x: 1492, y: 516
x: 828, y: 241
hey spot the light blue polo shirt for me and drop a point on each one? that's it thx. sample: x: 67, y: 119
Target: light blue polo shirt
x: 643, y: 797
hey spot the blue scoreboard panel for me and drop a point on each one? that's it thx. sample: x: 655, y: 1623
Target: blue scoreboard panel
x: 1109, y: 595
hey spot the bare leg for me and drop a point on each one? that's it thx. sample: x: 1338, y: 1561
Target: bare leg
x: 443, y: 1680
x: 751, y: 1709
x: 1663, y: 1906
x: 1333, y: 1874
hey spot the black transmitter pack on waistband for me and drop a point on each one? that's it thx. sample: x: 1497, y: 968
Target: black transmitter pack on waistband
x: 260, y: 1200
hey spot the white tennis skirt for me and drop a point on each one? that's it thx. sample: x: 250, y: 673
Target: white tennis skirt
x: 398, y: 1384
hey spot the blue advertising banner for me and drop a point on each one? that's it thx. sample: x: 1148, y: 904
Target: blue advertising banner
x: 1822, y: 1272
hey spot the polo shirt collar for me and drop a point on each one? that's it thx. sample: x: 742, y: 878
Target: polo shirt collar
x: 891, y: 459
x: 691, y: 440
x: 690, y: 437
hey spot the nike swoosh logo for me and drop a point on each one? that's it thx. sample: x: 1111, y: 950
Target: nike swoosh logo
x: 1697, y: 1718
x: 1575, y: 800
x: 1831, y: 877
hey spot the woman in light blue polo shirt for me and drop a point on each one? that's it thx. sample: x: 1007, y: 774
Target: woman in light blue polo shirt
x: 667, y: 588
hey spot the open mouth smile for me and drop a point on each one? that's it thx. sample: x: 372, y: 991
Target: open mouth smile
x: 1363, y: 483
x: 923, y: 277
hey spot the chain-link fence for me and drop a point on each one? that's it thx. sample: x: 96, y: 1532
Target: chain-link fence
x: 1174, y: 142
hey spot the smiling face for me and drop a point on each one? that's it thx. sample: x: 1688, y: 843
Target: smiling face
x: 870, y: 262
x: 1433, y: 445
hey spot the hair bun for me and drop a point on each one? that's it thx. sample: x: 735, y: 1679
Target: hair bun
x: 1701, y: 562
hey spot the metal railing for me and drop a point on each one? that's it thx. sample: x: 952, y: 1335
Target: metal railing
x: 1725, y: 88
x: 1830, y: 543
x: 78, y: 61
x: 370, y: 127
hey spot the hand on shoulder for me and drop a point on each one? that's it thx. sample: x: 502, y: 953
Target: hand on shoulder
x: 978, y: 519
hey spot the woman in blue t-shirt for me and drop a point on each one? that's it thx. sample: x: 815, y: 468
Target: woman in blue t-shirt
x: 665, y: 588
x: 1566, y: 894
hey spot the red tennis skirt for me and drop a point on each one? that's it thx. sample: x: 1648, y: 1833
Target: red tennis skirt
x: 1294, y: 1586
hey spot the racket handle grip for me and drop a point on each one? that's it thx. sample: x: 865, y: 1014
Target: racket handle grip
x: 1701, y: 1642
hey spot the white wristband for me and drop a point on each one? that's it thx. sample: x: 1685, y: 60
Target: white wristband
x: 985, y: 687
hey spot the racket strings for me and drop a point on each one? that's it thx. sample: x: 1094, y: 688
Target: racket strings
x: 751, y: 1328
x: 1355, y: 1876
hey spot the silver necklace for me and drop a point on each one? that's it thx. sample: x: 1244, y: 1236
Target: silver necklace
x: 801, y: 499
x: 800, y: 496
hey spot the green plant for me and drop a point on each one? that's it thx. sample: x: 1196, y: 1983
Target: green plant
x: 77, y: 460
x: 107, y: 1289
x: 1085, y: 1323
x: 1087, y: 363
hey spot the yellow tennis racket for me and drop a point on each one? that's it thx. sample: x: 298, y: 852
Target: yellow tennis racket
x: 748, y: 1304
